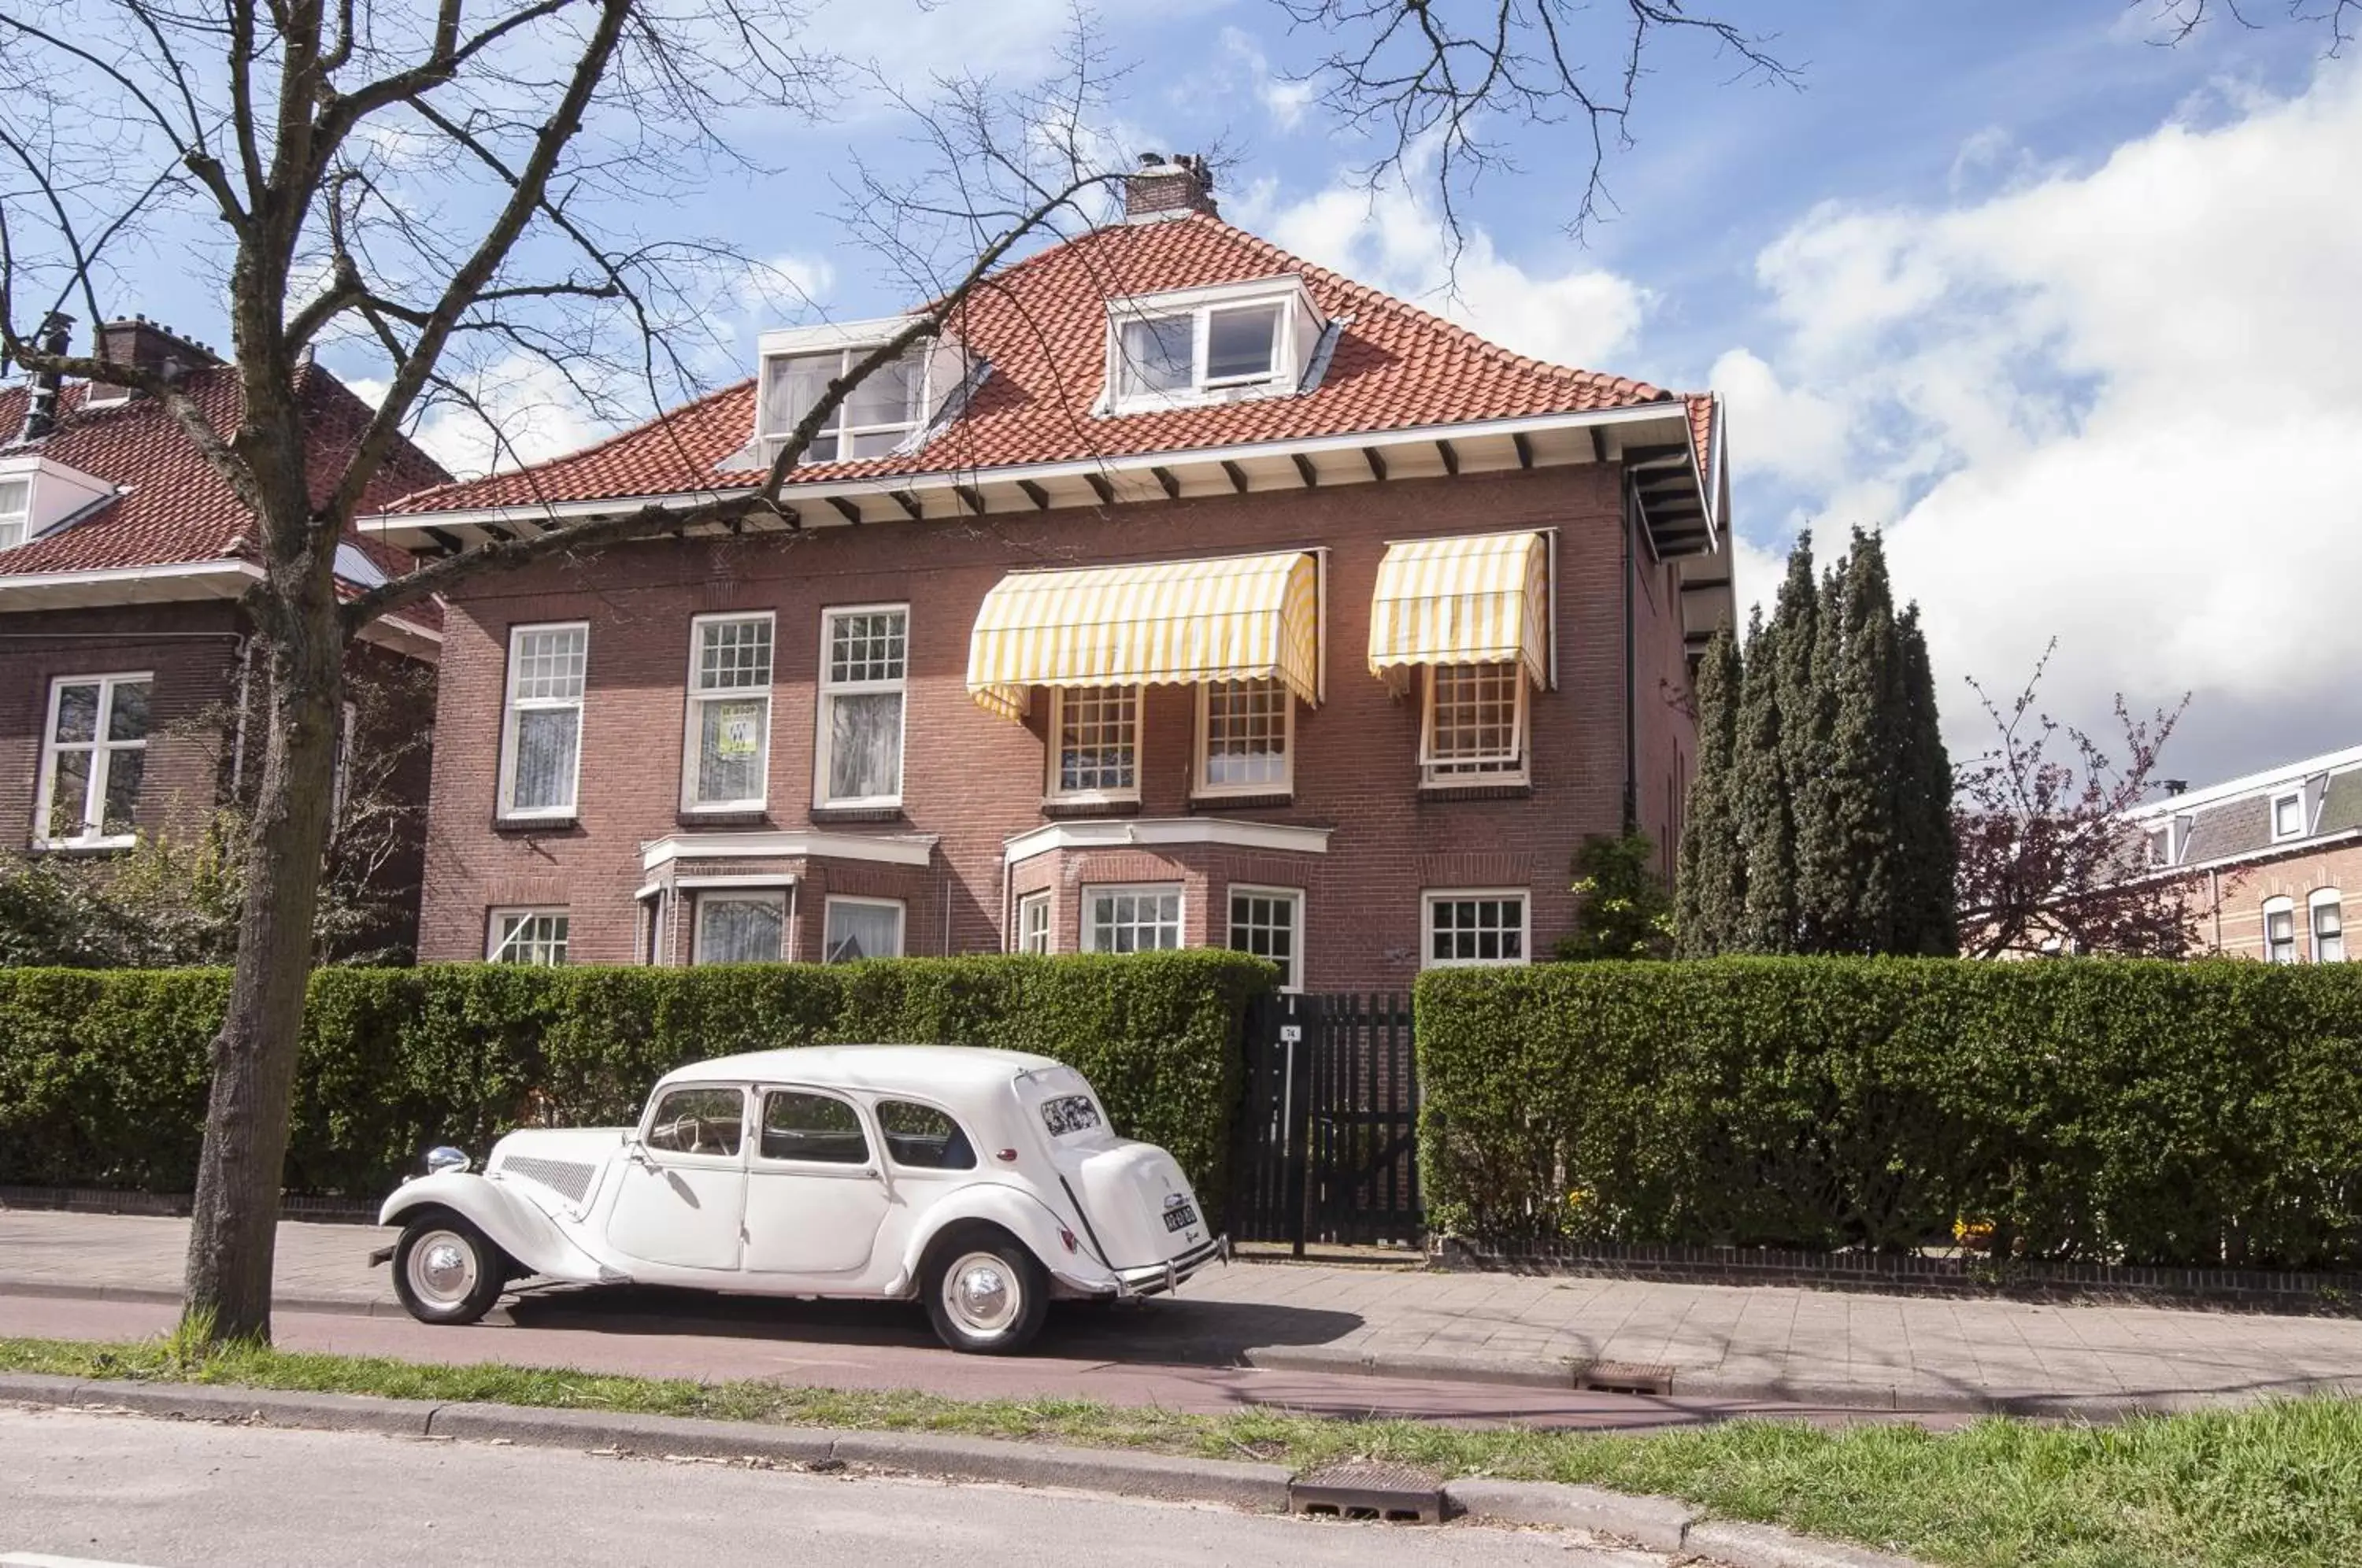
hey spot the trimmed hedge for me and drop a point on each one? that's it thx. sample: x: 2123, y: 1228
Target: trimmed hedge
x: 2134, y: 1112
x: 103, y: 1074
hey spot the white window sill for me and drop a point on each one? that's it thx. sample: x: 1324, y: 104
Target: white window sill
x: 528, y: 819
x: 861, y: 803
x: 75, y: 845
x: 1094, y: 797
x: 1475, y: 780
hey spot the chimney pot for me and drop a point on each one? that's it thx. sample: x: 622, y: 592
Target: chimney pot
x: 1164, y: 185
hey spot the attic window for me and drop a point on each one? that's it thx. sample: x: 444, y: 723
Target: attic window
x: 15, y: 509
x: 1213, y: 345
x: 890, y: 404
x: 2288, y: 815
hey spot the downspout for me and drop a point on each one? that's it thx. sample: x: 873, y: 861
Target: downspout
x: 2214, y: 897
x: 1631, y: 674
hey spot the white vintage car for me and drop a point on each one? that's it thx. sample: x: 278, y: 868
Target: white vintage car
x: 983, y: 1182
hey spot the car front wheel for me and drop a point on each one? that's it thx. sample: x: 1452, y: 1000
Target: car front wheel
x: 447, y: 1271
x: 986, y: 1294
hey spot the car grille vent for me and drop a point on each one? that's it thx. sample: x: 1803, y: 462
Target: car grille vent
x: 569, y: 1177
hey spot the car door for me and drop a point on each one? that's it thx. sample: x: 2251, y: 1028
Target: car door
x: 816, y: 1192
x: 682, y: 1200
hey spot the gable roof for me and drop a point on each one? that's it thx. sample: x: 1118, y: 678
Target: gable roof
x: 172, y: 508
x: 1041, y: 326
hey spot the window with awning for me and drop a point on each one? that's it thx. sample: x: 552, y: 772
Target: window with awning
x: 1474, y: 599
x: 1232, y: 618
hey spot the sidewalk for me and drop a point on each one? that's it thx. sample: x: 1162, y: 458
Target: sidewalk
x: 1857, y: 1352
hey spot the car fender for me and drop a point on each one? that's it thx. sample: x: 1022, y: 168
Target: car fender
x: 1022, y: 1215
x: 517, y: 1225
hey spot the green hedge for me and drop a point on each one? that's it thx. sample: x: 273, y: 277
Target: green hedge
x: 104, y: 1075
x: 2101, y: 1110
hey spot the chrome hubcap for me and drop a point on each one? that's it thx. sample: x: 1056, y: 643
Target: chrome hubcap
x: 981, y: 1295
x: 442, y: 1268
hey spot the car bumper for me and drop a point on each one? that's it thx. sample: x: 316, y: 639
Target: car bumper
x: 1156, y: 1280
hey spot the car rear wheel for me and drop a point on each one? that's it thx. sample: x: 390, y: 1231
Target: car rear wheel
x: 986, y: 1294
x: 447, y: 1271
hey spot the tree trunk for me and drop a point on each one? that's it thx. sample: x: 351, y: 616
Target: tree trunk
x: 233, y: 1228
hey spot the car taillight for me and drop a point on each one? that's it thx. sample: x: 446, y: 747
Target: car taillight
x: 1068, y: 1237
x: 1006, y: 1156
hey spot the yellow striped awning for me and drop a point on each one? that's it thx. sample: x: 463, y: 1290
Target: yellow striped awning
x: 1160, y: 622
x: 1475, y: 599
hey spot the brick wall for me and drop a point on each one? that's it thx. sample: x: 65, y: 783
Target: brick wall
x: 974, y: 780
x: 2227, y: 908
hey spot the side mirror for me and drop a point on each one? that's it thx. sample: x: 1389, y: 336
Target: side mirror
x: 446, y: 1158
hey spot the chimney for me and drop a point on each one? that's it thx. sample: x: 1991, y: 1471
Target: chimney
x: 2174, y: 786
x: 152, y: 347
x: 1161, y: 187
x: 41, y: 407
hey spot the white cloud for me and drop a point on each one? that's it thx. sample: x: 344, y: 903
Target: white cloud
x: 2116, y: 406
x: 1585, y: 317
x: 529, y: 414
x: 1286, y: 101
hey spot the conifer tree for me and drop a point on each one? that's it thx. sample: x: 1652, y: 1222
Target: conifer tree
x: 1760, y: 804
x: 1930, y: 922
x: 1853, y: 879
x: 1710, y: 891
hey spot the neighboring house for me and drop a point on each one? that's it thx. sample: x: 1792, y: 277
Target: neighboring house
x: 2273, y: 860
x: 126, y: 660
x: 1186, y: 594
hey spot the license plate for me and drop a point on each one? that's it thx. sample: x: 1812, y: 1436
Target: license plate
x: 1180, y: 1219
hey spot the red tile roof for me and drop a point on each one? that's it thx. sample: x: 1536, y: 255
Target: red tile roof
x: 174, y: 508
x: 1041, y: 326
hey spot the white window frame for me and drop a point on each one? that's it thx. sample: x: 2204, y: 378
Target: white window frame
x: 830, y: 690
x: 1088, y: 941
x: 693, y: 725
x: 901, y: 920
x: 101, y: 750
x: 707, y: 898
x: 1430, y: 897
x: 1292, y: 972
x: 2322, y: 898
x: 2286, y: 907
x: 1460, y: 773
x: 922, y: 350
x: 20, y: 519
x: 2281, y: 797
x: 1199, y: 307
x: 1028, y: 934
x: 496, y: 940
x: 1202, y: 764
x: 2151, y: 858
x: 1054, y: 753
x: 512, y: 705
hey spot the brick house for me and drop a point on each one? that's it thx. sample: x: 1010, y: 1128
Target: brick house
x: 2271, y: 859
x: 1186, y: 594
x: 125, y: 659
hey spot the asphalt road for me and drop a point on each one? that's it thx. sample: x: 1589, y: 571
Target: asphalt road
x: 129, y: 1490
x: 855, y: 1345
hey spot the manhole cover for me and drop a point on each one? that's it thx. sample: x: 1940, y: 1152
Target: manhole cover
x: 1367, y: 1489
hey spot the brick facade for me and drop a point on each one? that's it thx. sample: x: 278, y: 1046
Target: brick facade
x: 971, y: 780
x: 2226, y: 907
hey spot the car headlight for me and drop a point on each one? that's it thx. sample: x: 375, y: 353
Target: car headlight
x: 446, y: 1158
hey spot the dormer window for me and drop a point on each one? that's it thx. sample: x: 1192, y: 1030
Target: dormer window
x: 890, y: 405
x: 1213, y: 345
x: 2159, y: 847
x: 2288, y: 815
x: 15, y: 511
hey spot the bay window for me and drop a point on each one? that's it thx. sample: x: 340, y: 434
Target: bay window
x: 729, y: 712
x: 1244, y: 729
x: 740, y: 928
x: 1095, y: 743
x: 864, y: 666
x: 541, y: 732
x: 1474, y: 730
x: 1131, y: 919
x: 93, y: 756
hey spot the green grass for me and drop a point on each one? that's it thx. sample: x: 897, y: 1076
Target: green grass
x: 2276, y: 1483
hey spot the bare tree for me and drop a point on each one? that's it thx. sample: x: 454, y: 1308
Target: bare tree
x: 2180, y: 20
x: 2047, y: 863
x: 1429, y: 79
x: 443, y: 186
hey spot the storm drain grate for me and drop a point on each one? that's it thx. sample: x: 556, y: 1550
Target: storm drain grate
x: 1624, y: 1378
x: 1365, y: 1489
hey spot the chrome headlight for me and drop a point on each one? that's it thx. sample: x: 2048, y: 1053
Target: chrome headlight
x: 446, y: 1158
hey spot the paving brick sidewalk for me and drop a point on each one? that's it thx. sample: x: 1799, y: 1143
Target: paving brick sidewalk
x: 1740, y: 1343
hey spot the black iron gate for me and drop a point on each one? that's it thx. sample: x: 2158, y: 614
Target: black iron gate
x: 1327, y: 1141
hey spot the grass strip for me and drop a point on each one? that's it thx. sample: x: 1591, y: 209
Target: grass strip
x: 2278, y: 1483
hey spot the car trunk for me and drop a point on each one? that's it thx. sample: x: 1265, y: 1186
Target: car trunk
x: 1137, y: 1206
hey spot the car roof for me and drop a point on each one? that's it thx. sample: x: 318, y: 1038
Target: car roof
x: 911, y: 1068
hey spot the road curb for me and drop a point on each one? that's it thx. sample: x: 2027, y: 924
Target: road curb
x: 1658, y: 1523
x: 1769, y: 1546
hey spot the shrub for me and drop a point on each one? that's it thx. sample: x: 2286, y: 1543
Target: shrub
x: 103, y: 1074
x: 2095, y: 1109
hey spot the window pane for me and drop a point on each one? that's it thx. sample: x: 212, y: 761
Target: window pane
x: 1265, y: 926
x: 1097, y: 733
x: 1135, y: 920
x: 1034, y: 923
x: 923, y: 1138
x: 549, y: 665
x: 1246, y: 733
x: 862, y: 931
x: 1472, y: 725
x: 734, y: 655
x: 77, y: 712
x: 793, y: 386
x: 818, y: 1128
x: 124, y: 769
x: 547, y: 738
x: 698, y: 1122
x: 1242, y: 342
x: 531, y: 937
x: 1156, y: 355
x: 69, y: 794
x: 865, y: 746
x: 126, y: 720
x: 14, y: 495
x: 740, y: 931
x: 891, y: 394
x: 729, y: 748
x: 866, y: 647
x: 1476, y: 930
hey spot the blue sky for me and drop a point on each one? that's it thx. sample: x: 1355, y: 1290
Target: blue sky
x: 2070, y: 314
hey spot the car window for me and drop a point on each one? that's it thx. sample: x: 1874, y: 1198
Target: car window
x: 699, y: 1121
x: 1070, y: 1113
x: 798, y: 1125
x: 923, y: 1138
